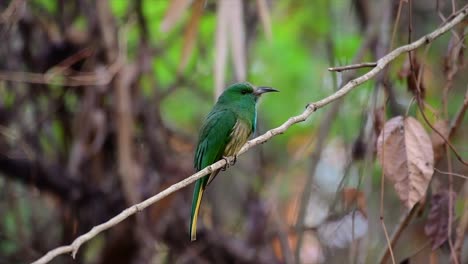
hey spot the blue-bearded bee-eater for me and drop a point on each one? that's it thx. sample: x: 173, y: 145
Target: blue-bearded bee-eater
x: 225, y: 130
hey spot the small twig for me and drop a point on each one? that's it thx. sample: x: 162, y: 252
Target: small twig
x: 311, y: 108
x: 463, y: 224
x: 353, y: 66
x: 451, y: 173
x: 457, y: 120
x: 405, y: 220
x: 459, y: 158
x: 382, y: 189
x: 10, y: 11
x: 282, y: 234
x: 67, y: 63
x: 453, y: 254
x: 395, y: 25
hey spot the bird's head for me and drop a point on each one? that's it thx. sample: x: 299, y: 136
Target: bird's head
x: 244, y: 91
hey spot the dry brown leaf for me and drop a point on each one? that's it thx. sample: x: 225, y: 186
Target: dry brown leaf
x: 405, y: 152
x: 379, y: 120
x: 341, y: 232
x: 190, y: 34
x: 353, y: 197
x: 437, y: 221
x: 437, y: 141
x: 359, y: 148
x: 413, y: 76
x: 173, y: 14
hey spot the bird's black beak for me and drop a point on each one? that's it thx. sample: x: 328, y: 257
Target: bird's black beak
x: 261, y: 90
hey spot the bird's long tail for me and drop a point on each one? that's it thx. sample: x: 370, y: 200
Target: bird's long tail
x: 196, y: 201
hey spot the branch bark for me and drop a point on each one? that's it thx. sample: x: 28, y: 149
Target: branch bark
x: 310, y: 108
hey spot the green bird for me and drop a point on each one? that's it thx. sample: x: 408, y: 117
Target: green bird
x: 225, y: 130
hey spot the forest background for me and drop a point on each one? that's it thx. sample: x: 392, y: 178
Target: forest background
x: 101, y: 102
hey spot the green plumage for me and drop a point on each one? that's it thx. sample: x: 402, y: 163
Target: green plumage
x: 225, y: 130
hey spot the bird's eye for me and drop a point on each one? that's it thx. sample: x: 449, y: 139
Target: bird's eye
x: 243, y: 92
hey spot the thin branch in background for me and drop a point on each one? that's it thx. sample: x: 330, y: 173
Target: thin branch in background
x: 353, y: 66
x: 457, y: 120
x: 463, y: 223
x: 310, y: 109
x: 282, y: 235
x: 395, y: 25
x: 453, y: 253
x: 457, y: 155
x: 84, y: 79
x: 67, y: 63
x: 382, y: 222
x: 98, y: 78
x: 404, y: 222
x: 452, y: 173
x: 10, y: 11
x: 382, y: 191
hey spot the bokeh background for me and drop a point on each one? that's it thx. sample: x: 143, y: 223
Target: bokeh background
x: 101, y: 102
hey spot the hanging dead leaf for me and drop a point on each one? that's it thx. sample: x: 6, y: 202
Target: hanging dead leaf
x: 341, y: 232
x: 173, y: 14
x: 190, y: 35
x: 437, y: 221
x: 405, y: 152
x: 437, y: 141
x: 379, y: 120
x: 413, y: 74
x: 358, y: 151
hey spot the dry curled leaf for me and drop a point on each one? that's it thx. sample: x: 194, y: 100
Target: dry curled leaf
x: 359, y: 148
x: 405, y: 152
x: 341, y: 232
x: 437, y: 141
x: 413, y: 74
x: 352, y: 197
x: 379, y: 120
x: 437, y: 221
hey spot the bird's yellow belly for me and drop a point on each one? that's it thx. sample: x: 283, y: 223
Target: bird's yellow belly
x: 239, y: 136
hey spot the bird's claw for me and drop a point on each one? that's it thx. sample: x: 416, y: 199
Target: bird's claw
x: 229, y: 163
x: 226, y: 166
x: 233, y: 161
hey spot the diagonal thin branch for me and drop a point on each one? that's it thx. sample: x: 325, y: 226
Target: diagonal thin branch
x: 312, y: 107
x: 353, y: 66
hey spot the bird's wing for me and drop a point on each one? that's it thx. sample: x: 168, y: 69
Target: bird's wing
x: 214, y: 136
